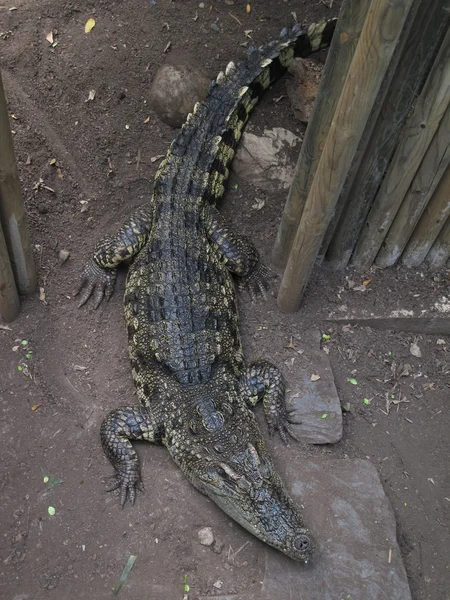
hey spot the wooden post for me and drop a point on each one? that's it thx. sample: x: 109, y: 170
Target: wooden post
x: 9, y: 298
x: 340, y: 54
x: 428, y: 228
x: 440, y: 251
x: 424, y: 38
x: 414, y: 141
x: 433, y: 166
x: 377, y: 43
x: 12, y: 214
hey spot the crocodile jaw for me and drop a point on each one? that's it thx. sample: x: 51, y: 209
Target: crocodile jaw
x: 272, y: 518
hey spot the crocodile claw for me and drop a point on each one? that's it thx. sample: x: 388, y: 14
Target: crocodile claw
x: 127, y: 482
x: 256, y: 283
x: 96, y: 281
x: 281, y: 425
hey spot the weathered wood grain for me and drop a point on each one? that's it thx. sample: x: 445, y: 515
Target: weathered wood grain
x: 416, y: 136
x: 377, y: 43
x: 429, y: 26
x: 432, y: 168
x: 427, y: 241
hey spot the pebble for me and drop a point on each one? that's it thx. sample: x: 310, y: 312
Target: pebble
x: 206, y: 536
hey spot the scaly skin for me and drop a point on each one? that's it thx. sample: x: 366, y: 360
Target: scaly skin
x: 196, y: 393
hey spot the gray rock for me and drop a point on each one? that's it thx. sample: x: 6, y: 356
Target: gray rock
x: 357, y: 555
x: 175, y: 90
x: 314, y: 407
x: 265, y: 161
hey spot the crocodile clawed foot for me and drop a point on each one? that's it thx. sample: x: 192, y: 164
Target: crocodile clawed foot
x: 97, y: 282
x: 257, y: 283
x: 127, y: 482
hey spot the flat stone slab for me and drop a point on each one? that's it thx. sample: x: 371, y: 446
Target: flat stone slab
x: 358, y: 557
x: 313, y: 404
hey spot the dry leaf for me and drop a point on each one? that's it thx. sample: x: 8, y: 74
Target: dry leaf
x: 155, y: 158
x: 315, y: 377
x: 248, y: 8
x: 147, y: 120
x: 49, y: 37
x: 90, y: 24
x: 35, y: 406
x: 366, y: 281
x: 91, y: 95
x: 42, y: 295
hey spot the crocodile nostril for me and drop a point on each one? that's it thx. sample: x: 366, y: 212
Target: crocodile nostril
x: 301, y: 542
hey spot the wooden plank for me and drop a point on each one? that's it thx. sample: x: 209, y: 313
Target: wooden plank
x: 12, y: 213
x: 440, y: 251
x: 432, y: 168
x: 9, y: 298
x: 428, y: 28
x: 429, y: 227
x: 343, y: 45
x: 377, y: 43
x: 414, y: 141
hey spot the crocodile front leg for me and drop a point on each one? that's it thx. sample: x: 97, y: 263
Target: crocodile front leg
x: 119, y: 427
x: 263, y: 381
x: 240, y: 255
x: 98, y: 275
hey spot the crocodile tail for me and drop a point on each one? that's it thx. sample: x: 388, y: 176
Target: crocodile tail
x: 212, y: 131
x: 244, y: 84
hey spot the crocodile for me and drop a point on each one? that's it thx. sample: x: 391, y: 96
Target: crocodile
x: 195, y: 391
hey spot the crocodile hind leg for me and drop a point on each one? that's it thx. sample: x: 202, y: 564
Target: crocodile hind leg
x: 118, y: 428
x: 263, y: 381
x: 98, y: 275
x: 240, y: 255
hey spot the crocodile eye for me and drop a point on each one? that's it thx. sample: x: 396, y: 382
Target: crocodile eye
x: 301, y: 543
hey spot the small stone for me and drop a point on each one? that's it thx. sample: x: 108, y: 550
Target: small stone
x: 63, y: 256
x: 218, y: 546
x: 206, y: 536
x: 218, y: 584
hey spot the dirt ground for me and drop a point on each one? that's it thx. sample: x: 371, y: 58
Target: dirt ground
x: 96, y: 156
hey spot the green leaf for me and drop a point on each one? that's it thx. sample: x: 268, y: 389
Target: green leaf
x: 367, y: 401
x: 51, y: 510
x: 19, y: 368
x: 126, y: 571
x: 353, y: 381
x: 326, y: 337
x: 24, y: 342
x: 324, y: 416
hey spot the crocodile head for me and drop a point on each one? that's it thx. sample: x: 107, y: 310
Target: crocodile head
x: 250, y: 491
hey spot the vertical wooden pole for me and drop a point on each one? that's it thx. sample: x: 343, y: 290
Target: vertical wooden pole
x: 342, y: 49
x: 429, y: 227
x: 12, y: 213
x: 429, y: 26
x: 9, y: 298
x: 414, y: 141
x: 377, y: 43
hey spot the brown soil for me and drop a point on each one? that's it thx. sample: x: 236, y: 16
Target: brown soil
x: 78, y: 367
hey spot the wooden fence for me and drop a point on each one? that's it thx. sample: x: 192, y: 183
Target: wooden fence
x: 372, y: 183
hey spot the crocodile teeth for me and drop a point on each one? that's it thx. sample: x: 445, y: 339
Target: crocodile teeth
x: 230, y: 69
x: 220, y: 78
